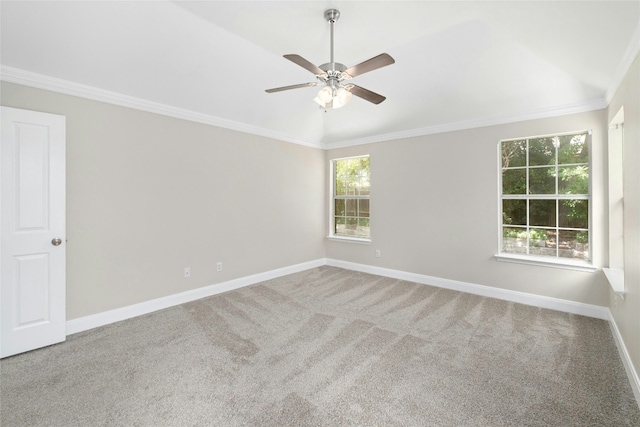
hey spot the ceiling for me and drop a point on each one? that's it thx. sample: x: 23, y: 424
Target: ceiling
x: 458, y: 64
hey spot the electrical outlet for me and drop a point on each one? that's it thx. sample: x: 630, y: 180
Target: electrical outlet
x: 378, y: 253
x: 187, y: 272
x: 219, y: 266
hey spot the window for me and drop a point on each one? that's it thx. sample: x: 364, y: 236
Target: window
x: 545, y: 196
x: 350, y: 197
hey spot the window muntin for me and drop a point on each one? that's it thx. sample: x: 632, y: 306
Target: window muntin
x: 545, y: 196
x: 351, y: 188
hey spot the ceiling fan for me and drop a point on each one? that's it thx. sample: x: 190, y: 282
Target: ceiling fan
x: 336, y: 90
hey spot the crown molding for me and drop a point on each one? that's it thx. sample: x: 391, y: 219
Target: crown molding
x: 623, y: 68
x: 40, y: 81
x: 582, y: 107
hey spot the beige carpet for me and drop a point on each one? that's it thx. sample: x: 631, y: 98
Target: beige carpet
x: 328, y: 347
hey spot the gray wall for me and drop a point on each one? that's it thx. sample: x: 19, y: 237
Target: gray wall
x: 627, y: 313
x: 434, y: 207
x: 148, y: 195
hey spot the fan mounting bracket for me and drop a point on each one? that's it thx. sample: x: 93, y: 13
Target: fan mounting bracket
x: 331, y: 15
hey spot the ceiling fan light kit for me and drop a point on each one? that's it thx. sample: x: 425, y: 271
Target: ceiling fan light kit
x: 329, y: 97
x: 335, y: 92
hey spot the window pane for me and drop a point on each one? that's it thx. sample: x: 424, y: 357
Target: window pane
x: 514, y: 212
x: 343, y: 169
x: 363, y: 208
x: 542, y: 152
x: 574, y: 213
x: 341, y: 187
x: 542, y: 242
x: 573, y: 149
x: 363, y: 186
x: 349, y: 227
x: 352, y: 207
x: 353, y: 166
x: 353, y: 227
x: 364, y: 175
x: 574, y: 244
x: 514, y: 181
x: 542, y: 180
x: 363, y: 228
x: 514, y: 240
x: 339, y: 207
x: 542, y: 213
x: 573, y: 179
x: 364, y: 164
x: 514, y: 153
x: 352, y: 185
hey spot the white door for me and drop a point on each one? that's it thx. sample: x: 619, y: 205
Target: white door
x: 32, y: 230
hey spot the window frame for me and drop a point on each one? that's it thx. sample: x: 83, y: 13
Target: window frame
x: 542, y: 260
x: 615, y: 149
x: 332, y: 198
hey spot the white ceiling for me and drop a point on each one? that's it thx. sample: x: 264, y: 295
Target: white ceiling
x: 458, y: 64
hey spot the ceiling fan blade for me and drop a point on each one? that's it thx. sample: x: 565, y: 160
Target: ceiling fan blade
x: 370, y: 64
x: 299, y: 60
x: 280, y: 89
x: 366, y: 94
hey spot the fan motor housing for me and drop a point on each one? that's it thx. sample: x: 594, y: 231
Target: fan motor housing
x: 331, y: 66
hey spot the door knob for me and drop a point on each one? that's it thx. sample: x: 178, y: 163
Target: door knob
x: 56, y: 242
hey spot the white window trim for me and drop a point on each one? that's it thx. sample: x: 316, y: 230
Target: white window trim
x: 566, y: 263
x: 556, y: 262
x: 336, y: 237
x: 615, y: 148
x: 347, y: 239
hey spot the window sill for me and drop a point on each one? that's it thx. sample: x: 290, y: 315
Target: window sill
x: 346, y: 239
x: 615, y: 276
x: 577, y: 265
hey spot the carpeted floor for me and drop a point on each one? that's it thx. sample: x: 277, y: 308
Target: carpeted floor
x: 328, y: 347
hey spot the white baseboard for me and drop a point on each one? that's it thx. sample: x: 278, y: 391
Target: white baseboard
x: 589, y: 310
x: 632, y: 374
x: 116, y: 315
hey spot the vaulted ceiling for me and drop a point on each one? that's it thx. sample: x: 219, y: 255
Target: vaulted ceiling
x: 458, y: 64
